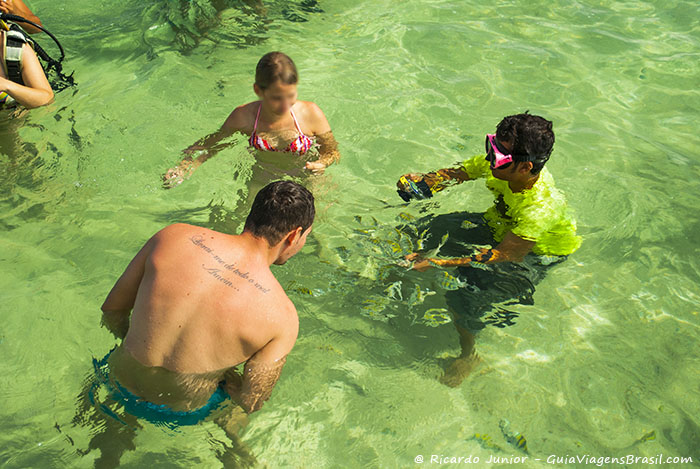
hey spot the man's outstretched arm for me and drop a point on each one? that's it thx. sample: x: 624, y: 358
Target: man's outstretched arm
x: 512, y: 249
x: 438, y: 180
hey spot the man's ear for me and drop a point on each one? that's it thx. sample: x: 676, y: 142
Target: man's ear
x: 293, y: 236
x: 525, y: 167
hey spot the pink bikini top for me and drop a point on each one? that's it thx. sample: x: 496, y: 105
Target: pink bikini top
x: 300, y: 145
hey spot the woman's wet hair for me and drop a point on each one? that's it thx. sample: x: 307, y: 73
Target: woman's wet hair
x: 280, y: 207
x: 529, y: 135
x: 274, y: 67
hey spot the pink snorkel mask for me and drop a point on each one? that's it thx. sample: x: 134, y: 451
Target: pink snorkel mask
x: 495, y: 154
x: 499, y: 159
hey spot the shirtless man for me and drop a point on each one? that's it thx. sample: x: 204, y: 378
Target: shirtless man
x: 195, y: 303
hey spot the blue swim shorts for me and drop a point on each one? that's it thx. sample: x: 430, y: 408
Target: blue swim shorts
x: 158, y: 414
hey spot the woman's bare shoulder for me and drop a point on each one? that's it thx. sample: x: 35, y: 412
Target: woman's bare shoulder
x: 313, y: 117
x: 309, y: 108
x: 242, y: 117
x: 246, y: 110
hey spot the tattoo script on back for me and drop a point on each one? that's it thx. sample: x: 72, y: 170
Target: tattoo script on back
x: 223, y: 267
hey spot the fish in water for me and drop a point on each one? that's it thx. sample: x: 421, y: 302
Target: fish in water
x: 485, y: 441
x: 293, y: 286
x: 418, y: 296
x: 406, y: 216
x: 444, y: 239
x: 468, y: 225
x: 373, y: 221
x: 374, y: 306
x: 393, y: 291
x: 434, y: 252
x: 422, y: 238
x: 405, y: 241
x: 363, y: 231
x: 450, y: 282
x: 514, y: 438
x: 329, y: 348
x: 436, y: 317
x: 396, y: 248
x: 479, y: 265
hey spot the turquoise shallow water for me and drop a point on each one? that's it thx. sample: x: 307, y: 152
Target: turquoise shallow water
x: 608, y: 352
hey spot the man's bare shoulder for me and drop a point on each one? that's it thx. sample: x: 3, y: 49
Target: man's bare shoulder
x: 287, y: 308
x: 274, y: 299
x: 170, y: 240
x: 277, y: 295
x: 288, y: 317
x: 178, y: 230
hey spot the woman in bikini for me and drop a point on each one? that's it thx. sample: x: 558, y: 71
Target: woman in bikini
x: 275, y: 123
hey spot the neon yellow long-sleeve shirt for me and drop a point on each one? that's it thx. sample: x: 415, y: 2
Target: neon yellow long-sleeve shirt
x: 538, y: 214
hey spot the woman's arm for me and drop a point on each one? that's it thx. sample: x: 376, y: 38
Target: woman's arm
x: 36, y: 90
x: 204, y: 148
x: 17, y: 7
x: 328, y: 146
x: 328, y: 151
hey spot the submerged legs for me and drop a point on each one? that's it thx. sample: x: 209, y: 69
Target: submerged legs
x: 232, y: 420
x: 463, y: 365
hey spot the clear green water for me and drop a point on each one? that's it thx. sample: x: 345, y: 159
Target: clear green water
x: 608, y: 352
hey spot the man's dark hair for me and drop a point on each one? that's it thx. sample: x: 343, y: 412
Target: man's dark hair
x: 280, y: 207
x: 531, y: 136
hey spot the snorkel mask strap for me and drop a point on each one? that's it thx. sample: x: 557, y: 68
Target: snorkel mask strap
x: 540, y: 158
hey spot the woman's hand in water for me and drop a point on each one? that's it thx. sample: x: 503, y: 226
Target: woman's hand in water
x: 328, y: 151
x: 175, y: 176
x: 316, y: 167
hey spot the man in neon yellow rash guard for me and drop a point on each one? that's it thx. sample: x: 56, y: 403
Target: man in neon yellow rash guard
x: 528, y: 225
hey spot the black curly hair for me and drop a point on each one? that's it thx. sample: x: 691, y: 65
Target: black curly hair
x: 531, y: 137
